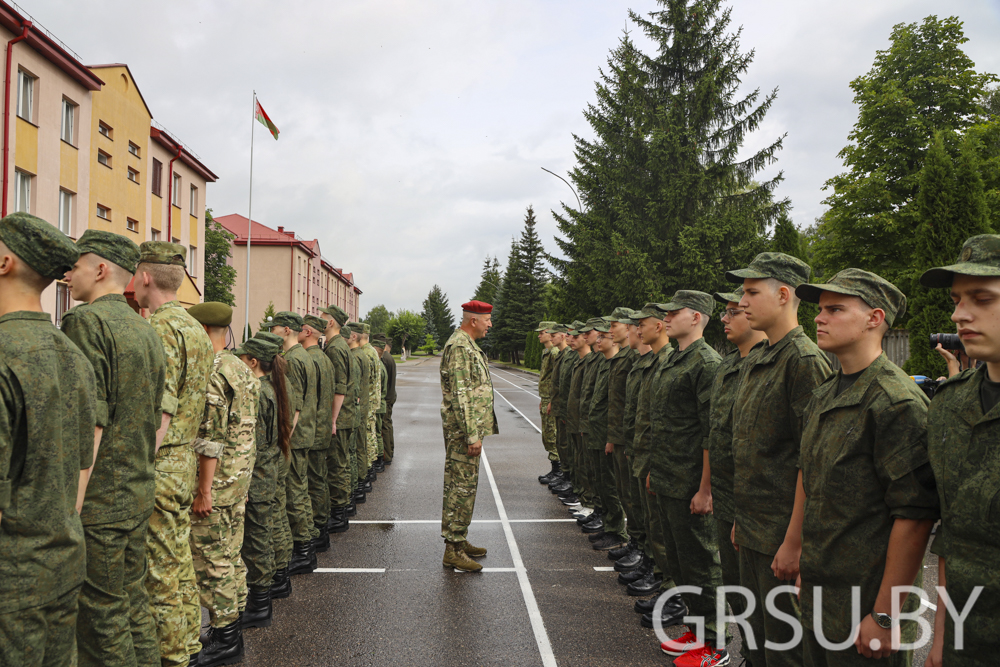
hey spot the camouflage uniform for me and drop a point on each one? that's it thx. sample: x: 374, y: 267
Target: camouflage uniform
x: 588, y: 462
x: 338, y: 462
x: 681, y: 396
x: 603, y: 464
x: 620, y: 472
x: 636, y: 489
x: 227, y: 434
x: 361, y: 416
x: 319, y: 488
x: 303, y: 391
x: 171, y: 583
x: 467, y: 417
x: 581, y: 486
x: 776, y: 385
x: 47, y: 418
x: 564, y: 440
x: 260, y: 533
x: 374, y: 367
x: 388, y: 440
x: 128, y: 361
x: 550, y: 358
x: 557, y: 361
x: 383, y: 389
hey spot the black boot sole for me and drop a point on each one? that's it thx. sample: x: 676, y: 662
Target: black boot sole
x: 338, y: 529
x: 641, y: 593
x: 647, y: 621
x: 263, y: 623
x: 281, y: 594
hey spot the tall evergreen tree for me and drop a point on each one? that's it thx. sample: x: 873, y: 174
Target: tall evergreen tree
x: 521, y: 303
x: 489, y: 281
x: 437, y: 313
x: 787, y: 239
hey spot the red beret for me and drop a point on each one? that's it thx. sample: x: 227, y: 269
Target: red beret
x: 477, y: 307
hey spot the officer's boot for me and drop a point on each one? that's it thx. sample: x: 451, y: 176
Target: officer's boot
x: 455, y: 556
x: 303, y: 558
x: 321, y: 543
x: 338, y: 522
x: 474, y: 552
x: 225, y: 646
x: 259, y: 609
x: 281, y: 585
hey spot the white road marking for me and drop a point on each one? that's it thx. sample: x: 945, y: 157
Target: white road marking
x: 438, y: 521
x: 604, y: 569
x: 516, y: 410
x: 514, y: 385
x: 352, y: 570
x: 534, y: 615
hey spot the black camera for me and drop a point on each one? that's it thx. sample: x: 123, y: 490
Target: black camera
x: 947, y: 341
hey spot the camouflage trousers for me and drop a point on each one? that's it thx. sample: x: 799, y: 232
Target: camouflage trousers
x: 562, y: 447
x: 42, y: 636
x: 613, y: 514
x: 621, y: 468
x: 461, y: 479
x: 281, y: 532
x: 359, y: 462
x: 815, y: 655
x: 388, y: 444
x: 654, y: 535
x: 380, y: 445
x: 756, y: 575
x: 588, y: 474
x: 371, y: 439
x: 298, y: 504
x: 216, y: 541
x: 115, y: 624
x: 319, y: 489
x: 338, y: 469
x: 170, y: 581
x: 548, y: 429
x: 257, y: 550
x: 730, y: 568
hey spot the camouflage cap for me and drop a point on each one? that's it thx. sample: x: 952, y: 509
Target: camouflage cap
x: 378, y: 342
x: 623, y: 315
x: 544, y: 326
x: 287, y: 318
x: 356, y: 327
x: 591, y: 324
x: 112, y: 247
x: 689, y: 298
x: 784, y: 268
x: 162, y: 252
x: 980, y: 257
x: 725, y: 298
x: 560, y: 329
x: 39, y: 244
x: 574, y: 329
x: 647, y: 311
x: 366, y: 329
x: 212, y: 313
x: 317, y: 323
x: 604, y: 326
x: 874, y: 290
x: 336, y: 312
x: 258, y: 349
x: 269, y: 337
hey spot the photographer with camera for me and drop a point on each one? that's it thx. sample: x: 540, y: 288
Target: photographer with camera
x: 950, y: 347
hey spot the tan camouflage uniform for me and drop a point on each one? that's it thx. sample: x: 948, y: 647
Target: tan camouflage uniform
x: 374, y: 368
x: 467, y: 417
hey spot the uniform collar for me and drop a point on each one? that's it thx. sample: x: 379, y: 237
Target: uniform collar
x: 26, y: 315
x: 972, y: 409
x: 112, y: 297
x: 769, y: 352
x: 856, y: 392
x: 169, y: 304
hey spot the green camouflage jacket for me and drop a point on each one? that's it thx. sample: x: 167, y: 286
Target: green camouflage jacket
x: 632, y: 383
x: 324, y: 409
x: 597, y: 418
x: 642, y: 443
x: 575, y: 392
x: 264, y: 484
x: 467, y: 412
x: 128, y: 362
x: 374, y: 378
x: 620, y: 367
x: 567, y: 367
x: 339, y: 354
x: 303, y: 394
x: 227, y: 432
x: 390, y: 369
x: 587, y: 385
x: 545, y: 373
x: 364, y: 396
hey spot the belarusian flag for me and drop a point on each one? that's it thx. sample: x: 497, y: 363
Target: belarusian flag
x: 264, y: 120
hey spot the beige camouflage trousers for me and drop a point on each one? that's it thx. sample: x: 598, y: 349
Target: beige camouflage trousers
x: 548, y: 430
x: 371, y: 438
x: 216, y: 542
x: 173, y: 592
x: 461, y: 479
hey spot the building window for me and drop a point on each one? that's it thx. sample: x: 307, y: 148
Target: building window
x: 105, y: 129
x: 132, y: 225
x: 103, y: 212
x: 194, y: 200
x: 156, y: 177
x: 193, y: 260
x: 104, y: 158
x: 133, y: 149
x: 63, y: 302
x: 25, y: 95
x: 133, y: 175
x: 22, y: 191
x: 154, y: 235
x: 177, y: 191
x: 65, y: 211
x: 68, y: 119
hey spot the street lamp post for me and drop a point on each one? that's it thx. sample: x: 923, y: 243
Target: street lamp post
x: 579, y: 206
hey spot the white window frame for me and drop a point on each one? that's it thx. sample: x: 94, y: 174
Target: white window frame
x: 131, y: 225
x: 65, y: 211
x: 22, y: 191
x: 194, y: 200
x: 107, y: 212
x: 154, y: 235
x: 104, y: 129
x: 133, y: 149
x: 133, y: 175
x: 106, y: 161
x: 25, y: 98
x: 193, y: 260
x: 177, y: 190
x: 68, y: 130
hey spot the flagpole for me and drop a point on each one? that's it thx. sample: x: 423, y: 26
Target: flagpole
x: 253, y: 121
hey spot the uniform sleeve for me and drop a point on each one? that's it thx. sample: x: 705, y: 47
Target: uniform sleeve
x: 88, y: 335
x: 902, y: 463
x: 7, y: 427
x: 296, y: 378
x: 704, y: 384
x: 341, y: 370
x: 810, y: 372
x: 86, y: 405
x: 174, y: 358
x: 459, y: 370
x: 211, y: 440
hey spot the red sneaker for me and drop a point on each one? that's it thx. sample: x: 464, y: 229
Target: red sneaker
x: 686, y: 642
x: 706, y: 656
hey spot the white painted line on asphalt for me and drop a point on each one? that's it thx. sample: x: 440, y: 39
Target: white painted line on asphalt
x: 516, y: 410
x: 515, y: 386
x: 604, y: 569
x: 534, y: 615
x: 473, y: 521
x: 541, y: 520
x: 351, y: 570
x: 499, y: 569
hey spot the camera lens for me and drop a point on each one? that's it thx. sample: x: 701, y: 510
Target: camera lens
x: 947, y: 341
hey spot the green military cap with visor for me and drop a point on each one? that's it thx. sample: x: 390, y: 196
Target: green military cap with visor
x: 162, y: 252
x: 689, y: 298
x: 317, y: 323
x: 621, y: 314
x: 212, y: 313
x: 356, y: 327
x: 604, y: 326
x: 336, y: 312
x: 269, y: 337
x: 591, y: 324
x: 258, y: 349
x: 544, y: 326
x: 287, y: 318
x: 112, y: 247
x: 574, y: 329
x: 783, y: 268
x: 378, y: 341
x: 980, y: 257
x: 725, y: 298
x: 266, y: 324
x: 39, y: 244
x: 874, y: 290
x: 649, y: 310
x: 559, y: 328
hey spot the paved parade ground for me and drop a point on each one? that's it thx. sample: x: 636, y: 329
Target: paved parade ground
x: 382, y: 597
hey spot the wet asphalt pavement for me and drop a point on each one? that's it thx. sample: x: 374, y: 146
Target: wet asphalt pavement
x: 385, y: 598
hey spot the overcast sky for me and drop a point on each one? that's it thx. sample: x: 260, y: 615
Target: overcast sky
x: 413, y: 132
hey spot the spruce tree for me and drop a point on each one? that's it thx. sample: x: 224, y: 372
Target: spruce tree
x: 787, y: 239
x: 489, y: 281
x: 521, y: 304
x: 437, y: 313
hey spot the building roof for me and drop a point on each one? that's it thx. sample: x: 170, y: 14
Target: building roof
x: 188, y: 158
x: 48, y: 46
x: 131, y: 78
x: 260, y: 234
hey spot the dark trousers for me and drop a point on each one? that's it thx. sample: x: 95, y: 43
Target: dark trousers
x: 603, y: 466
x: 43, y: 636
x: 299, y: 505
x: 338, y: 469
x: 756, y: 575
x: 388, y: 443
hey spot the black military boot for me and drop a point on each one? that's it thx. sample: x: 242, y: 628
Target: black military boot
x: 649, y: 584
x: 259, y: 609
x: 645, y: 566
x: 321, y: 543
x: 629, y: 561
x: 303, y: 558
x: 360, y: 497
x: 338, y: 522
x: 563, y: 486
x: 281, y: 585
x: 378, y: 466
x: 225, y: 646
x: 615, y: 554
x: 352, y: 508
x: 547, y: 477
x: 372, y: 475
